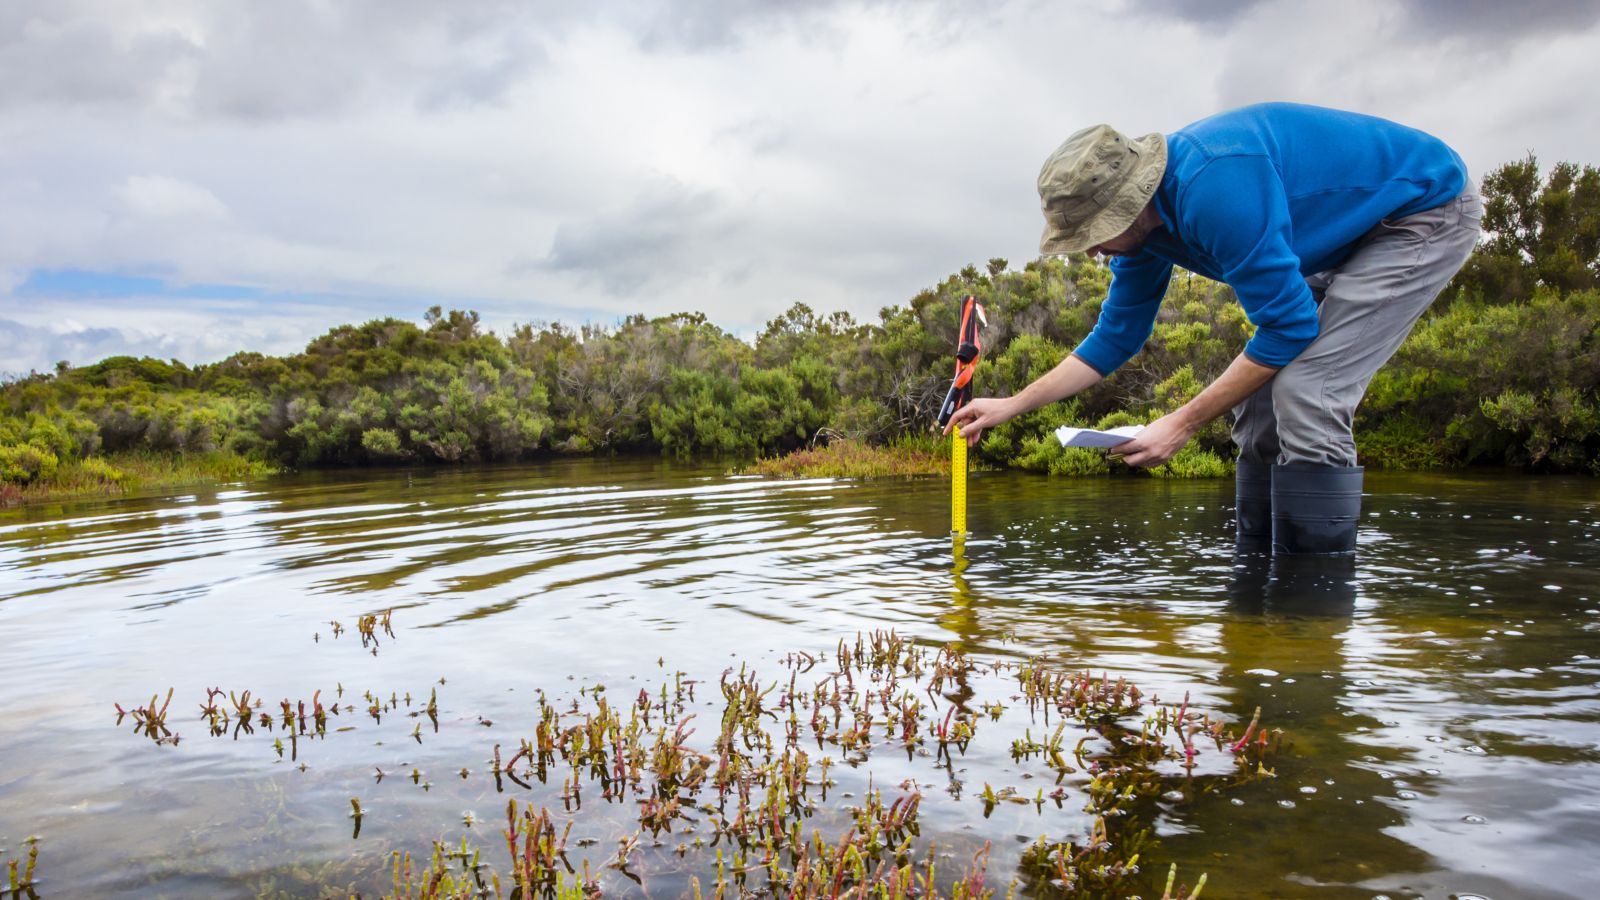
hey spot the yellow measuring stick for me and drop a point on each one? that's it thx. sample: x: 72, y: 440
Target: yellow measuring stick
x: 958, y: 482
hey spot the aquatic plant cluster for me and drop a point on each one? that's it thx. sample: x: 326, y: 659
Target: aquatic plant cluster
x: 750, y: 802
x: 19, y: 880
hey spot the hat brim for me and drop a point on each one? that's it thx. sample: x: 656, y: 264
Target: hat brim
x: 1140, y: 185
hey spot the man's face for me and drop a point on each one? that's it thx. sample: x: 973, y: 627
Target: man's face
x: 1128, y: 242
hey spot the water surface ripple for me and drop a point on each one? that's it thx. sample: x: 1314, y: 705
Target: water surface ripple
x: 1440, y: 693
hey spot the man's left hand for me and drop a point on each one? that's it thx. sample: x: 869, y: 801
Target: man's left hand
x: 1157, y: 443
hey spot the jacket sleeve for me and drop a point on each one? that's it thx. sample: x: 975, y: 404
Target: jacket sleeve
x: 1236, y: 211
x: 1138, y: 284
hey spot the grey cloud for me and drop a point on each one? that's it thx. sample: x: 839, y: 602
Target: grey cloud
x: 325, y: 58
x: 31, y: 348
x: 712, y: 24
x: 47, y: 56
x: 760, y: 136
x: 268, y: 60
x: 1497, y: 21
x: 671, y: 230
x: 1492, y: 20
x: 1205, y: 13
x: 473, y: 82
x: 273, y: 59
x: 717, y: 23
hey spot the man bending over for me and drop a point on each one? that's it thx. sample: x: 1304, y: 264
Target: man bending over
x: 1335, y: 230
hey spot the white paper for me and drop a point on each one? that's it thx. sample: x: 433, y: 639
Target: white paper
x: 1089, y: 437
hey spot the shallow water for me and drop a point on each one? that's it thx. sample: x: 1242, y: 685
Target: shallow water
x: 1440, y: 696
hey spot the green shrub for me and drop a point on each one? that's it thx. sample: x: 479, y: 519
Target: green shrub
x: 95, y: 469
x: 26, y: 463
x: 382, y: 443
x: 1401, y: 443
x: 1045, y: 454
x: 1194, y: 462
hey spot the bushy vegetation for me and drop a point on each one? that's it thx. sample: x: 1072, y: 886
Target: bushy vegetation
x: 854, y: 459
x: 1504, y: 370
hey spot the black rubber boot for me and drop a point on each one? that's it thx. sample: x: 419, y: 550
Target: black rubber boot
x: 1252, y: 486
x: 1312, y: 585
x: 1315, y: 508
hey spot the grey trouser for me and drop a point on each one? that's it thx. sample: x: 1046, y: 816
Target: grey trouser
x: 1365, y: 309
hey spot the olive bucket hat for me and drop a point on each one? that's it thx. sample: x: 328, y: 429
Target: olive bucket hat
x: 1095, y: 184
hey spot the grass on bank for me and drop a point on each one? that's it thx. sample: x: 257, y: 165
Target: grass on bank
x: 121, y: 473
x: 916, y: 457
x: 906, y: 458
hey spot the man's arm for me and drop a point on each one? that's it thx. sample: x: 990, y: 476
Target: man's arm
x: 1070, y: 376
x: 1163, y: 438
x: 1138, y: 285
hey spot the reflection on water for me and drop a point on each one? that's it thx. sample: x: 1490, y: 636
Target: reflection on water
x: 1439, y: 691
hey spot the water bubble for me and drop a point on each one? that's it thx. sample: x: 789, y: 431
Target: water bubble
x: 1475, y: 750
x: 1471, y: 819
x: 1236, y: 801
x: 1307, y: 789
x: 1468, y: 897
x: 1266, y: 673
x: 1174, y: 796
x: 1286, y: 804
x: 1407, y: 795
x: 1552, y: 587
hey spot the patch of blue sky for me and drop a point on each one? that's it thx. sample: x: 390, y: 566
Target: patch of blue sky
x: 346, y: 304
x: 43, y: 283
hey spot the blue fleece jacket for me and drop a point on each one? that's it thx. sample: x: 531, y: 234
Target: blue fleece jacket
x: 1259, y: 198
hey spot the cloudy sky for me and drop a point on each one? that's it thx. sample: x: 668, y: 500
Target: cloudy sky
x: 187, y: 178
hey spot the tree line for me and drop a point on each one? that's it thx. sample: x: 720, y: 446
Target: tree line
x: 1503, y: 370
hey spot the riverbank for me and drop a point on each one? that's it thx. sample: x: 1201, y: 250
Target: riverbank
x: 121, y: 473
x: 912, y: 459
x: 854, y: 459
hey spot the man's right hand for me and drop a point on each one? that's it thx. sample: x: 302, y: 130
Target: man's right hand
x: 979, y: 414
x: 1069, y: 377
